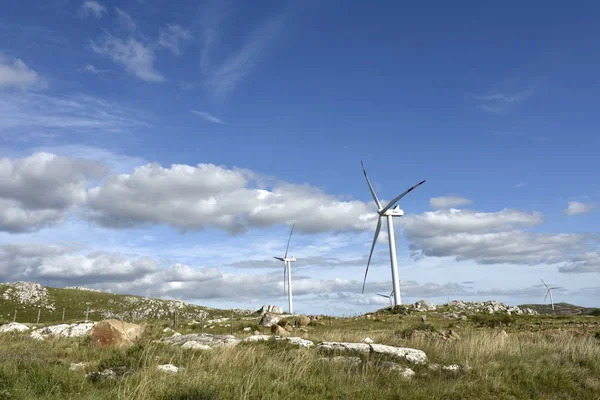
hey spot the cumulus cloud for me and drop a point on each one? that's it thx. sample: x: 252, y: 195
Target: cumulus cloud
x: 577, y: 208
x: 490, y: 238
x: 194, y: 198
x: 15, y: 74
x: 136, y: 57
x: 172, y: 36
x: 92, y: 8
x: 39, y: 190
x: 448, y: 202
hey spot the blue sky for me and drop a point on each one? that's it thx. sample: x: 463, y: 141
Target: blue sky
x: 256, y: 116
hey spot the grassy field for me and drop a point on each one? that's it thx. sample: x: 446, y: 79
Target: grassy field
x: 539, y: 357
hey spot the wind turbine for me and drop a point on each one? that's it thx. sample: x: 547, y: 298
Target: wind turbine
x: 549, y: 291
x: 287, y: 268
x: 390, y: 213
x: 390, y: 296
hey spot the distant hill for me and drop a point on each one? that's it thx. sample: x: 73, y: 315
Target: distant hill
x: 27, y: 298
x: 562, y: 309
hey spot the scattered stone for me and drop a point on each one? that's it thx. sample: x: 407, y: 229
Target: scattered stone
x: 270, y: 309
x: 68, y: 330
x: 424, y: 305
x: 303, y: 320
x: 13, y: 327
x: 257, y: 338
x: 35, y: 335
x: 269, y: 319
x: 345, y: 346
x: 423, y: 318
x: 278, y: 330
x: 392, y: 366
x: 296, y: 340
x: 77, y: 366
x: 201, y: 338
x: 454, y: 368
x: 191, y: 345
x: 168, y: 330
x: 247, y: 329
x: 170, y: 368
x: 367, y: 340
x: 411, y: 355
x: 115, y: 333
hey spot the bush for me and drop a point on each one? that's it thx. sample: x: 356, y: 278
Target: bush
x: 133, y: 357
x: 492, y: 320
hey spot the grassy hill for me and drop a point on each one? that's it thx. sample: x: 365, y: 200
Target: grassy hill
x: 27, y: 298
x: 562, y: 309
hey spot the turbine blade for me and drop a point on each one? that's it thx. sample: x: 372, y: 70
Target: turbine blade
x: 543, y: 282
x: 371, y: 253
x: 370, y: 187
x: 290, y: 238
x: 395, y: 200
x: 279, y: 258
x: 383, y: 295
x: 546, y: 296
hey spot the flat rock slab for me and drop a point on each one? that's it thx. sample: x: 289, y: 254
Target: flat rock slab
x: 411, y: 355
x: 202, y: 339
x: 296, y: 340
x: 13, y: 327
x: 68, y: 330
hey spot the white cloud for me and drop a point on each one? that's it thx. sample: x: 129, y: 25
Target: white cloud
x: 39, y: 190
x: 577, y: 208
x: 448, y: 202
x: 172, y: 36
x: 500, y: 103
x: 92, y: 69
x: 125, y: 20
x: 490, y: 238
x: 204, y: 196
x: 207, y: 117
x: 92, y: 8
x: 32, y: 113
x: 136, y: 57
x: 15, y: 74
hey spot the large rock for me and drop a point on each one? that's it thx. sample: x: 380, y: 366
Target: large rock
x: 270, y: 309
x: 303, y: 320
x: 115, y: 333
x: 13, y: 327
x: 278, y: 330
x: 68, y: 330
x: 424, y: 305
x: 269, y: 319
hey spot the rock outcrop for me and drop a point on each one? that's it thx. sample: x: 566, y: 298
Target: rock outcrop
x: 407, y: 354
x: 270, y: 309
x: 269, y: 319
x: 13, y: 327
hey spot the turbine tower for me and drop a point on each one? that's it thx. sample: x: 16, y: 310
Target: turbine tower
x: 390, y: 213
x: 287, y: 269
x: 549, y: 292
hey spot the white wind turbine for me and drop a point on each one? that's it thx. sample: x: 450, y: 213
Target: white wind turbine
x: 390, y: 296
x: 390, y: 213
x: 549, y: 292
x: 287, y: 268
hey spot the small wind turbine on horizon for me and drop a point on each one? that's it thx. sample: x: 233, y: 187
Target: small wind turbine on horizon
x: 287, y: 269
x: 549, y: 292
x: 390, y: 213
x: 390, y: 296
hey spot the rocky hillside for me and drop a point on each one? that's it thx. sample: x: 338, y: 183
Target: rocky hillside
x: 28, y: 297
x: 563, y: 309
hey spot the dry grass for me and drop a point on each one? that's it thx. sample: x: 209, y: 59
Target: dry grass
x: 555, y: 363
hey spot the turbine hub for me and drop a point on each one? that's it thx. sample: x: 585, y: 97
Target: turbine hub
x: 394, y: 212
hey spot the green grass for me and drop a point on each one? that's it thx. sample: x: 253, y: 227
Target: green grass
x: 545, y: 357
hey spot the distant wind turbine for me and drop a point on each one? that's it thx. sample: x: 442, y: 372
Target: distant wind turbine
x: 549, y: 292
x: 390, y: 296
x: 388, y: 212
x: 287, y: 269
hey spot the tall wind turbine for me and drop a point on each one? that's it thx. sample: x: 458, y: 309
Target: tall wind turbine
x: 390, y: 213
x: 287, y: 268
x: 549, y: 292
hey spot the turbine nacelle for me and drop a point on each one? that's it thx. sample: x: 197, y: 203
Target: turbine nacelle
x: 394, y: 212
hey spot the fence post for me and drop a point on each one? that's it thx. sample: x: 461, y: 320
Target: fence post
x: 15, y: 316
x: 175, y: 320
x: 202, y: 324
x: 38, y: 317
x: 87, y: 313
x: 63, y: 316
x: 231, y: 324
